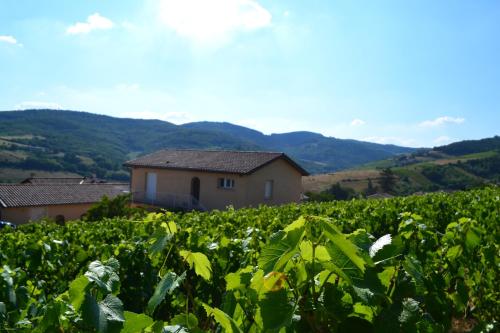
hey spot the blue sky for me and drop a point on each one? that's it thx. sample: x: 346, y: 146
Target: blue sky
x: 415, y: 73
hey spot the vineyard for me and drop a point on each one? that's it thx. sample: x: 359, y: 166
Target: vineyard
x: 417, y: 264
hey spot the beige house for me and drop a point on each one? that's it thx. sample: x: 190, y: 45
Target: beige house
x: 21, y: 203
x: 193, y: 179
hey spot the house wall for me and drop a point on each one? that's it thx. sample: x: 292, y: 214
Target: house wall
x: 178, y: 183
x: 248, y: 190
x: 21, y: 215
x: 287, y: 184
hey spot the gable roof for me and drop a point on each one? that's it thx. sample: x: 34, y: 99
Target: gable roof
x: 223, y: 161
x: 25, y: 195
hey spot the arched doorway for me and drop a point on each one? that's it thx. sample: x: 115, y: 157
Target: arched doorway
x: 195, y: 188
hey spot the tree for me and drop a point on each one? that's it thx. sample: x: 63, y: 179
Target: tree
x: 387, y: 180
x: 341, y: 193
x: 370, y: 188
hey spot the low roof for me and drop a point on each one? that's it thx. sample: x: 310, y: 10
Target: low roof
x: 236, y: 162
x: 26, y: 195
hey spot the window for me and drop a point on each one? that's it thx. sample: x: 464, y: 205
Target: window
x: 225, y: 183
x: 268, y: 189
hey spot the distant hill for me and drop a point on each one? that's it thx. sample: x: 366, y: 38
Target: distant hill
x: 457, y: 166
x: 86, y: 143
x: 470, y: 146
x: 314, y: 151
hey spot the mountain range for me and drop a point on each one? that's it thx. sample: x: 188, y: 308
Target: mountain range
x: 86, y: 143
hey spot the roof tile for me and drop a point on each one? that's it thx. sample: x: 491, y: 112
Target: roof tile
x: 238, y: 162
x: 24, y: 195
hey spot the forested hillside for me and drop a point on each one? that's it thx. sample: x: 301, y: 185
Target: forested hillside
x: 458, y: 166
x: 85, y: 143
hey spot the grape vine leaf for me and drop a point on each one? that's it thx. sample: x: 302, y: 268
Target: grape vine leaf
x: 226, y: 322
x: 135, y: 322
x: 168, y: 284
x: 201, y: 264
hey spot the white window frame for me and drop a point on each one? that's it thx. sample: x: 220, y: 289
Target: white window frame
x: 227, y: 183
x: 268, y: 189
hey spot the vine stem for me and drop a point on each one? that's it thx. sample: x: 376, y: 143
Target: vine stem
x: 165, y: 261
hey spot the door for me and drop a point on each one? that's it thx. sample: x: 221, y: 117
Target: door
x: 195, y: 188
x: 151, y: 186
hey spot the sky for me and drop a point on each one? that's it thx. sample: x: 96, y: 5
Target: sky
x: 414, y: 73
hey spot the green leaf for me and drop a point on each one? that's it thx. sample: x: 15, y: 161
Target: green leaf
x: 414, y: 268
x: 200, y: 262
x: 389, y: 251
x: 168, y: 284
x: 240, y: 279
x: 187, y: 320
x: 91, y: 313
x: 112, y: 307
x: 226, y: 322
x: 345, y: 258
x: 472, y: 239
x: 282, y: 246
x: 77, y: 291
x: 135, y: 323
x: 336, y: 301
x: 379, y: 244
x: 410, y: 311
x: 160, y: 241
x: 275, y: 255
x: 174, y: 329
x: 105, y: 316
x: 104, y: 275
x: 276, y: 310
x: 345, y: 262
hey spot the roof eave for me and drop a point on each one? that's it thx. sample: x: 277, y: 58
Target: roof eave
x: 183, y: 169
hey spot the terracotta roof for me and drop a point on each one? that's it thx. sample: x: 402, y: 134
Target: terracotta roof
x: 237, y: 162
x: 25, y: 195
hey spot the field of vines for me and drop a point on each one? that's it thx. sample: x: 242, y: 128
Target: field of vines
x: 417, y: 264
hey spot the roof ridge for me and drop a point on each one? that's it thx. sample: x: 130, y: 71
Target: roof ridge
x: 221, y: 150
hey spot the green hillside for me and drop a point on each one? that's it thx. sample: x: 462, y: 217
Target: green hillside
x: 458, y: 166
x: 84, y: 143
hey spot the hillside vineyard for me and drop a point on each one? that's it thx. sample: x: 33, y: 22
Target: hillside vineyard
x: 414, y: 264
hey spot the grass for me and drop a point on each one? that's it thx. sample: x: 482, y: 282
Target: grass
x: 355, y: 179
x: 8, y: 175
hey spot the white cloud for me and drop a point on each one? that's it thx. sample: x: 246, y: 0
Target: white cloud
x: 37, y: 105
x: 94, y: 22
x: 213, y: 21
x: 357, y: 122
x: 441, y: 121
x: 9, y: 40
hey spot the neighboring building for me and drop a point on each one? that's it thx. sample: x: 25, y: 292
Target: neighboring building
x: 194, y: 179
x: 21, y: 203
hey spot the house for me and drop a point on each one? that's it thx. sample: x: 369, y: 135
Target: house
x: 21, y: 203
x: 195, y: 179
